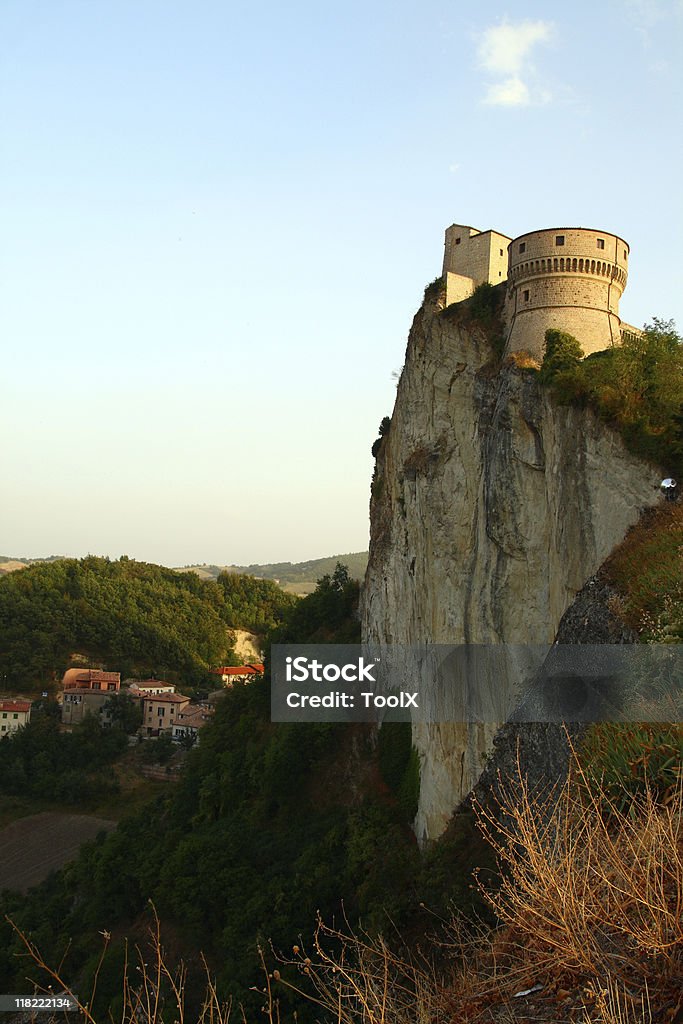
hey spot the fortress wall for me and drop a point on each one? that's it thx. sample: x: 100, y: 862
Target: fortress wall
x: 457, y: 249
x: 593, y: 328
x: 570, y: 290
x: 566, y: 278
x: 457, y: 287
x: 498, y: 257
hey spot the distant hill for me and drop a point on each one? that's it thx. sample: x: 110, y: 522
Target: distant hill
x: 294, y: 577
x: 10, y: 564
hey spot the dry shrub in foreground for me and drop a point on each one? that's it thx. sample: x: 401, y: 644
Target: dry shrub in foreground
x: 156, y: 993
x: 590, y: 901
x: 587, y: 888
x: 355, y: 978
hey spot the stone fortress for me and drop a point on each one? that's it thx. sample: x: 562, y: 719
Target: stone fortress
x: 570, y: 279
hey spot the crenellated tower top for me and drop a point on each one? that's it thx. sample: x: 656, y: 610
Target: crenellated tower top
x: 570, y: 279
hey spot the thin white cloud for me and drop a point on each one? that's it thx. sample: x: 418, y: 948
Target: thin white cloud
x: 647, y: 15
x: 511, y: 92
x: 504, y: 51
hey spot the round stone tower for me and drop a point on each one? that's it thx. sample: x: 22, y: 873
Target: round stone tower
x: 570, y: 279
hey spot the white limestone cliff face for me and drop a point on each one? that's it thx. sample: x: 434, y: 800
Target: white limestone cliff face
x: 491, y: 508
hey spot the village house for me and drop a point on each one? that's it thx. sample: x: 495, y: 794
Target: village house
x: 13, y: 715
x: 238, y: 673
x: 148, y: 687
x: 189, y: 722
x: 160, y: 711
x: 90, y: 679
x: 86, y: 692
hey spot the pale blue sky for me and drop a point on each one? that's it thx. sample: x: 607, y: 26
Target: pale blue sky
x: 217, y: 220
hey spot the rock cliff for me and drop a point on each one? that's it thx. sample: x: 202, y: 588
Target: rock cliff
x: 491, y: 507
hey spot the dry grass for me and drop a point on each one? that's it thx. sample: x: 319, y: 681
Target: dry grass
x: 422, y: 458
x: 155, y: 996
x: 354, y: 978
x: 588, y: 889
x: 523, y: 360
x: 617, y: 1006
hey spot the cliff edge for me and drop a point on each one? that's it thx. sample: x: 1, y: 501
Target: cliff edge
x: 491, y: 507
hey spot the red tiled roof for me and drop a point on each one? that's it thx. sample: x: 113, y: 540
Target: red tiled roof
x: 239, y: 670
x: 79, y: 676
x: 15, y: 705
x: 194, y: 718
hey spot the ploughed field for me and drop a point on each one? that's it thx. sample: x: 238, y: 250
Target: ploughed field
x: 32, y: 847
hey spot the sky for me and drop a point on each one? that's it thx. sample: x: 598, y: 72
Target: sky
x: 217, y: 220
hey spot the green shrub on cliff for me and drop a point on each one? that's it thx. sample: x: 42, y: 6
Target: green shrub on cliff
x: 623, y: 762
x: 646, y: 571
x: 637, y: 387
x: 562, y: 353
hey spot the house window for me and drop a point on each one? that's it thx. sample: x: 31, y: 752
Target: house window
x: 15, y: 716
x: 522, y: 247
x: 500, y: 251
x: 624, y: 253
x: 4, y: 714
x: 559, y: 239
x: 161, y: 712
x: 457, y: 241
x: 526, y: 294
x: 4, y: 729
x: 500, y: 273
x: 601, y: 243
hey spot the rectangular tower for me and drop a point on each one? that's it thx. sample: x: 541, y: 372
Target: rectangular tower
x: 472, y: 257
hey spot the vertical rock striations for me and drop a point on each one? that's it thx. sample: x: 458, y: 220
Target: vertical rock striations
x: 491, y: 507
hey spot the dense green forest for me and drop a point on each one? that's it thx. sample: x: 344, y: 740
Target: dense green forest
x: 267, y: 825
x: 254, y: 604
x: 42, y: 762
x: 132, y: 617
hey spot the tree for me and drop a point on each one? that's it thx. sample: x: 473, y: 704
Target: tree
x: 125, y: 712
x: 562, y: 352
x: 651, y: 372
